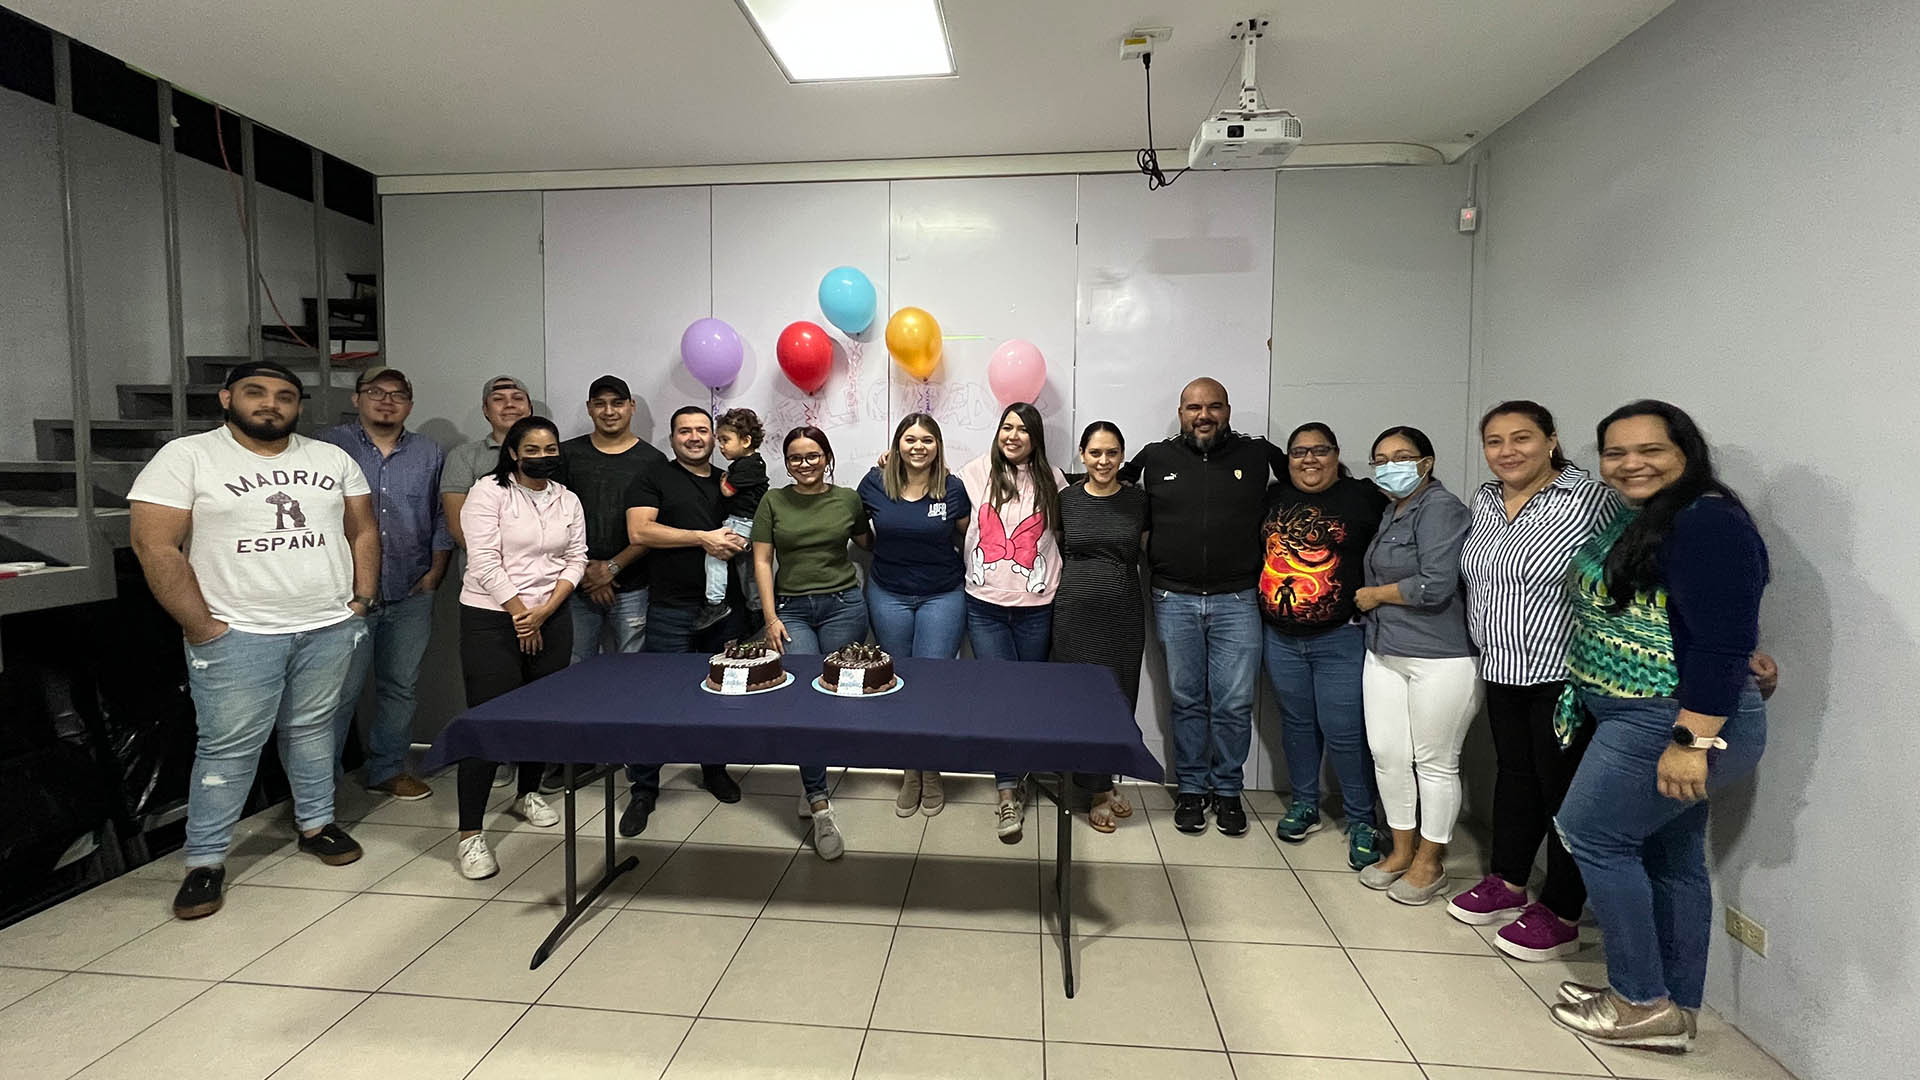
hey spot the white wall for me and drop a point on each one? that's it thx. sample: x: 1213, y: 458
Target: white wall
x: 117, y: 209
x: 464, y: 290
x: 1721, y: 211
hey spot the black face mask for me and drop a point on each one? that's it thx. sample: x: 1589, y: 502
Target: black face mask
x: 540, y: 468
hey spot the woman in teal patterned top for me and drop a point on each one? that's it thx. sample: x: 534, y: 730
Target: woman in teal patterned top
x: 1666, y: 604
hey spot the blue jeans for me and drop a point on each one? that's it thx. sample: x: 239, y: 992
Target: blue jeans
x: 908, y: 625
x: 1642, y: 855
x: 245, y: 686
x: 1317, y: 680
x: 1213, y: 657
x: 395, y: 641
x: 1009, y: 633
x: 823, y: 622
x: 619, y: 627
x: 717, y: 568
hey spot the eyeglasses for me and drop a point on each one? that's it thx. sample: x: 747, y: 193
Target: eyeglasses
x: 806, y: 459
x: 374, y: 393
x: 1400, y: 459
x: 1301, y: 453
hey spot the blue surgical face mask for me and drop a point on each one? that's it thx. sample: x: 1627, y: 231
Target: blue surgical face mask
x: 1398, y: 478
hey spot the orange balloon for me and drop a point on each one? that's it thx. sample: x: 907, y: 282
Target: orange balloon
x: 913, y: 338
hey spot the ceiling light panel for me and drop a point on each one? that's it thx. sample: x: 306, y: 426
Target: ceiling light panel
x: 835, y: 40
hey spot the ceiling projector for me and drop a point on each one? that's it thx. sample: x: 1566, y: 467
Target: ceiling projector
x: 1249, y: 136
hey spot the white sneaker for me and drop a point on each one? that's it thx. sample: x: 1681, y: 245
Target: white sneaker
x: 1011, y: 819
x: 505, y: 773
x: 476, y: 860
x: 534, y: 810
x: 827, y: 842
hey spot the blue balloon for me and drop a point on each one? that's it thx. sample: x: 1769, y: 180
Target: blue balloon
x: 847, y: 299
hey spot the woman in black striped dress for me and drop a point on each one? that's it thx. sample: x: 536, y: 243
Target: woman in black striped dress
x: 1099, y: 614
x: 1527, y: 524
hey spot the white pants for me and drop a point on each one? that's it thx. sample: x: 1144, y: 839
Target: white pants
x: 1417, y: 717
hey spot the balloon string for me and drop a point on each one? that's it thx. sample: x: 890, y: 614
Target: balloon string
x: 809, y: 413
x: 926, y: 397
x: 713, y: 399
x: 855, y: 348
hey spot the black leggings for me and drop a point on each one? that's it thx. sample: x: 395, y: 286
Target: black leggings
x: 1532, y: 780
x: 491, y: 664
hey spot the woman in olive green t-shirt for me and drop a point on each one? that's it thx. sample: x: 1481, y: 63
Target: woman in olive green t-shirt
x: 818, y: 606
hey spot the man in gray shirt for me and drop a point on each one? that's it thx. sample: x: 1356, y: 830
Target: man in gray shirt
x: 503, y: 401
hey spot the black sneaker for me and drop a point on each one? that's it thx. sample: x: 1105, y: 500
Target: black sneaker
x: 554, y: 780
x: 331, y: 845
x: 634, y: 821
x: 710, y: 614
x: 1229, y: 816
x: 1190, y: 812
x: 199, y: 895
x: 721, y: 786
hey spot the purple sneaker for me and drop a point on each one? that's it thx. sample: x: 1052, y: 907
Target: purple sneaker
x: 1538, y: 934
x: 1487, y: 903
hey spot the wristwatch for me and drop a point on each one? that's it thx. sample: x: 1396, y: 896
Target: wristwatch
x: 367, y: 602
x: 1684, y: 736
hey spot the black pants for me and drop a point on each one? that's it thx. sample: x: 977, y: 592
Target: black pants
x: 670, y: 630
x: 1533, y: 776
x: 491, y: 664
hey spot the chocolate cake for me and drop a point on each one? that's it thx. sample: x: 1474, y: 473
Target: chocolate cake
x: 870, y: 662
x: 742, y: 669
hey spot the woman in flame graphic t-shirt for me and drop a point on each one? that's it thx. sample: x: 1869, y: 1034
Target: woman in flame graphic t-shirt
x: 1317, y: 527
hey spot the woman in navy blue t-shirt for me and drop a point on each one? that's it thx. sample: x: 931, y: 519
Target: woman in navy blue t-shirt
x: 916, y: 597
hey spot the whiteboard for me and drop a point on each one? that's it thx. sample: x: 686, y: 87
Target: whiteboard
x: 1173, y: 284
x: 771, y: 246
x: 991, y: 260
x: 626, y: 271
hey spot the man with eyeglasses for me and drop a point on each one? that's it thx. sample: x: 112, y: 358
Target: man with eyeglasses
x: 674, y: 511
x: 403, y: 468
x: 1206, y: 489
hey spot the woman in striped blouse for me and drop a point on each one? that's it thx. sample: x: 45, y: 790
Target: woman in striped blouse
x: 1527, y: 524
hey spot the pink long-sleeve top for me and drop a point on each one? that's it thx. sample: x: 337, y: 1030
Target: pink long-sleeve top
x: 521, y: 543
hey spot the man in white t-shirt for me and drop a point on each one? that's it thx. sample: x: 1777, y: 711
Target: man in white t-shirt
x: 262, y: 545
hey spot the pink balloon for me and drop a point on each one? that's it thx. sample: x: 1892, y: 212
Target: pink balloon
x: 1017, y: 372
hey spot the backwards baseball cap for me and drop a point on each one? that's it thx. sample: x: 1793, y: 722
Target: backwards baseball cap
x: 266, y: 368
x: 375, y: 374
x: 610, y: 384
x: 503, y: 382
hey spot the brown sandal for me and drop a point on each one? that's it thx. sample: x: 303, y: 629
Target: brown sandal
x: 1100, y: 814
x: 1118, y: 803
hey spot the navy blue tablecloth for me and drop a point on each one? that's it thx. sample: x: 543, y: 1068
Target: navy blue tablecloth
x: 951, y: 715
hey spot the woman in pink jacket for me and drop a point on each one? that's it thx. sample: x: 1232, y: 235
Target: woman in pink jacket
x: 526, y: 550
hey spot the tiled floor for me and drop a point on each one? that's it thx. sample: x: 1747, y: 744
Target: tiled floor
x: 733, y: 952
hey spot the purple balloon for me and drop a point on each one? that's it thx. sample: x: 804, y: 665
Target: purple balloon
x: 711, y: 350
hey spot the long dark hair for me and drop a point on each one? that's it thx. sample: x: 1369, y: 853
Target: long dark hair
x: 808, y: 431
x: 1633, y: 566
x: 1541, y: 418
x: 503, y: 469
x: 894, y: 477
x: 1332, y: 440
x: 1002, y: 485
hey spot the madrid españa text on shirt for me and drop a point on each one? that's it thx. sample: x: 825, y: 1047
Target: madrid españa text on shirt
x: 290, y: 529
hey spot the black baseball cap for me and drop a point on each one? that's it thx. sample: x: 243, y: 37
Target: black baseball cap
x: 263, y: 367
x: 609, y: 384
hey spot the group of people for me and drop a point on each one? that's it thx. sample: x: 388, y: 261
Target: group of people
x: 1609, y: 626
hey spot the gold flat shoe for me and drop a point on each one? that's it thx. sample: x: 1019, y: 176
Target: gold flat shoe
x: 1598, y: 1018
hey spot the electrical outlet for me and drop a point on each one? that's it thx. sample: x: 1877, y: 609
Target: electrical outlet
x: 1745, y: 931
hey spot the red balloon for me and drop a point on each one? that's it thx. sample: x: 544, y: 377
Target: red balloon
x: 806, y: 355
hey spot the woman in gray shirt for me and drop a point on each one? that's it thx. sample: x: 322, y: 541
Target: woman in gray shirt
x: 1421, y: 681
